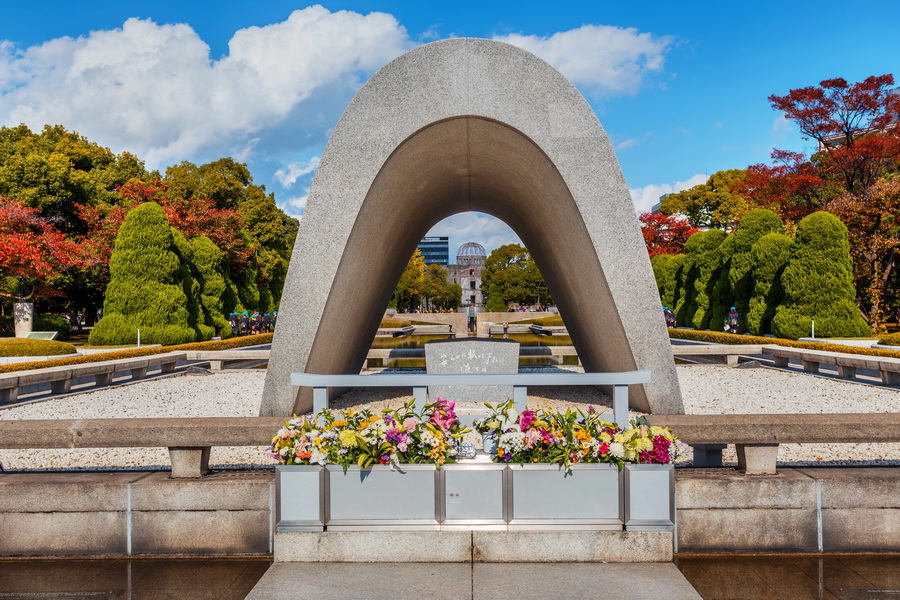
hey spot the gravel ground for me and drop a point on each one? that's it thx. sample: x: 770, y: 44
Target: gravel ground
x: 707, y: 389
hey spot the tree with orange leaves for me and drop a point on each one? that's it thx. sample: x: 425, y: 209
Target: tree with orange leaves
x: 873, y: 221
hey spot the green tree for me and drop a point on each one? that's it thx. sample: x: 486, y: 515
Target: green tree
x: 147, y: 285
x: 768, y: 256
x: 714, y: 204
x: 511, y: 275
x: 268, y: 229
x: 818, y: 283
x: 409, y: 291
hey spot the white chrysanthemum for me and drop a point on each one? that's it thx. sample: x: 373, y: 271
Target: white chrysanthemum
x: 513, y: 441
x: 617, y: 450
x: 430, y: 439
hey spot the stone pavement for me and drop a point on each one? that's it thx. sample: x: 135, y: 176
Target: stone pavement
x: 478, y: 581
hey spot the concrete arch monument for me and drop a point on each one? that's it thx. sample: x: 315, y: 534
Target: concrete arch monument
x: 469, y: 125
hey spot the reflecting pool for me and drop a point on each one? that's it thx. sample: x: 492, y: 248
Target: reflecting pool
x: 220, y: 579
x: 834, y: 577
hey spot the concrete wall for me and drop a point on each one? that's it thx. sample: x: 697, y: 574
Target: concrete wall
x: 61, y: 514
x: 228, y: 513
x: 797, y: 510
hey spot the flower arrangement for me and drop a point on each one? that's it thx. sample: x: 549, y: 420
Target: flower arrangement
x: 574, y: 437
x: 364, y: 438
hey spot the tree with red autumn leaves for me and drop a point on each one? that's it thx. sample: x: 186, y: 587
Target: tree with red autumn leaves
x: 854, y: 125
x: 32, y: 251
x: 665, y: 234
x: 194, y: 217
x: 792, y: 186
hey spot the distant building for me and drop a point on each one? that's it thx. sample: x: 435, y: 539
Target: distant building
x: 435, y: 250
x: 467, y: 273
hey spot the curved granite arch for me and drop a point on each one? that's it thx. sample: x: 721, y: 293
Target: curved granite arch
x: 453, y: 126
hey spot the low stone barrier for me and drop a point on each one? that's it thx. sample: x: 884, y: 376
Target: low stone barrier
x: 60, y: 378
x: 847, y: 364
x: 757, y: 437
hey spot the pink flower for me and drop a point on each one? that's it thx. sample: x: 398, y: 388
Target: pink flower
x: 444, y: 416
x: 526, y: 419
x: 410, y: 423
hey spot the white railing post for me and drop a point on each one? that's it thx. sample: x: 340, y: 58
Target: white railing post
x: 320, y: 399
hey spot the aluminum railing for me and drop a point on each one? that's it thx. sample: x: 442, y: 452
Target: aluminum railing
x: 619, y: 382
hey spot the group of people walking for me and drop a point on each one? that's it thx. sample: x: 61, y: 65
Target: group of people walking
x: 732, y: 320
x: 247, y: 323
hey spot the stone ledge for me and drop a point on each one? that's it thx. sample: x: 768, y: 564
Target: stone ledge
x: 464, y: 546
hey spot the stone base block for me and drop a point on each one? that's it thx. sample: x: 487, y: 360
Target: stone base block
x: 200, y: 532
x: 464, y: 546
x: 443, y: 581
x: 373, y: 546
x: 189, y: 462
x: 757, y: 459
x: 747, y: 530
x: 572, y: 546
x: 62, y: 533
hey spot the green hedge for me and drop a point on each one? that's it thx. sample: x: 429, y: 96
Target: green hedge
x: 892, y: 339
x: 545, y: 321
x: 41, y: 323
x: 717, y: 337
x: 27, y: 347
x: 388, y: 323
x: 238, y: 342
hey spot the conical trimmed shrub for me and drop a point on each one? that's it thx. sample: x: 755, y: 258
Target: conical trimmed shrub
x: 769, y: 256
x: 146, y: 287
x: 208, y: 261
x: 665, y: 277
x: 706, y: 270
x: 818, y: 283
x: 735, y: 286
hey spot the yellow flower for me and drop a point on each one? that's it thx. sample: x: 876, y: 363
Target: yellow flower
x: 347, y: 437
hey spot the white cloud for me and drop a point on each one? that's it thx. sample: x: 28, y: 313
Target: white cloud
x: 154, y: 89
x: 484, y: 229
x: 289, y: 174
x: 626, y: 144
x: 295, y: 206
x: 780, y: 128
x: 603, y: 58
x: 644, y: 198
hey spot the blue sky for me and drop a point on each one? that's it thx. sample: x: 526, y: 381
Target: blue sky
x: 680, y: 87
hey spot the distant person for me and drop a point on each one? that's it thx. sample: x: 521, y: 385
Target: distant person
x: 451, y: 335
x: 733, y: 320
x: 670, y: 317
x: 245, y: 323
x: 506, y: 331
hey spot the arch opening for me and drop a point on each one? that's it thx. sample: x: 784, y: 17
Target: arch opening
x: 468, y: 164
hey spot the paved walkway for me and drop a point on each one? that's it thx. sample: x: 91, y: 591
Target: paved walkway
x: 480, y: 581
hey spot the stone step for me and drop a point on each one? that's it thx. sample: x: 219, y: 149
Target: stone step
x: 607, y: 546
x: 478, y: 581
